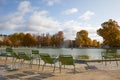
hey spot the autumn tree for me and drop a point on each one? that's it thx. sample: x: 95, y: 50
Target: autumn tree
x: 21, y: 37
x: 38, y: 40
x: 42, y: 39
x: 1, y: 43
x: 95, y: 43
x: 98, y: 44
x: 110, y: 32
x: 45, y: 40
x: 14, y: 38
x: 48, y: 40
x: 29, y: 40
x: 8, y: 42
x: 82, y: 38
x: 57, y: 39
x: 54, y: 41
x: 60, y: 38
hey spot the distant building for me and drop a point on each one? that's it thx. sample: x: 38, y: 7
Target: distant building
x: 69, y: 43
x: 66, y: 43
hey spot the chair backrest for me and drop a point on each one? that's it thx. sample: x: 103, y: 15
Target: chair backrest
x: 66, y: 60
x: 23, y: 55
x: 9, y: 49
x: 35, y: 51
x: 46, y: 58
x: 9, y: 52
x: 111, y: 52
x: 15, y: 55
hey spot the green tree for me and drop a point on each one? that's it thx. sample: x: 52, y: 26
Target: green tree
x: 110, y: 32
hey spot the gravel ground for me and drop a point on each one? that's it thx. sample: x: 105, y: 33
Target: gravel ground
x: 92, y: 71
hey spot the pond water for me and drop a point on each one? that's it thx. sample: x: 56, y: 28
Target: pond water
x: 94, y: 54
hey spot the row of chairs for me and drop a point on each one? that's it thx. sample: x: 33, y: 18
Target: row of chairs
x: 36, y: 56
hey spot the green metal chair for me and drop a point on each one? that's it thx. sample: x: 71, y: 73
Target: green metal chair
x: 47, y: 60
x: 66, y: 60
x: 18, y: 56
x: 13, y: 55
x: 25, y: 57
x: 36, y: 56
x: 109, y: 54
x: 8, y: 53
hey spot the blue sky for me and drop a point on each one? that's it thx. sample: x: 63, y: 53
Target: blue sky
x: 51, y: 16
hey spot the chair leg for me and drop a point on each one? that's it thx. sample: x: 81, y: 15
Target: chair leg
x: 6, y: 61
x: 22, y: 62
x: 54, y: 68
x: 110, y: 60
x: 14, y: 62
x: 43, y: 66
x: 39, y: 64
x: 116, y: 61
x: 105, y: 62
x: 102, y: 60
x: 31, y: 62
x: 64, y: 66
x: 74, y: 68
x: 60, y: 68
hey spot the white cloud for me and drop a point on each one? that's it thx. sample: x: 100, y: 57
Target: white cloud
x: 70, y: 11
x: 92, y: 31
x: 39, y: 21
x: 51, y: 2
x: 87, y: 15
x: 70, y: 29
x: 11, y: 21
x: 24, y: 7
x: 14, y: 20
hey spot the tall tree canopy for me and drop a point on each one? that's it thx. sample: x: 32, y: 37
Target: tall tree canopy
x: 29, y: 40
x: 57, y: 39
x: 14, y: 38
x: 43, y: 40
x: 82, y: 38
x: 110, y: 32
